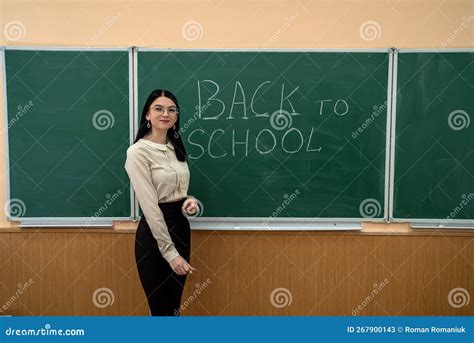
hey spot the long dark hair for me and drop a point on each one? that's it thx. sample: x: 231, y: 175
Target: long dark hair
x: 174, y: 135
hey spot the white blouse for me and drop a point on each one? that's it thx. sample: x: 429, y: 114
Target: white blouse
x: 157, y: 176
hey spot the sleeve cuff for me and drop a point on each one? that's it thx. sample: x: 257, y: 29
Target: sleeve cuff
x: 169, y: 253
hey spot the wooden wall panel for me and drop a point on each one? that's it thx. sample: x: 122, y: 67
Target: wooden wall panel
x: 324, y: 273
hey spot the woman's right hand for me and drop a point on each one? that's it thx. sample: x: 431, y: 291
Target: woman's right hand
x: 180, y: 266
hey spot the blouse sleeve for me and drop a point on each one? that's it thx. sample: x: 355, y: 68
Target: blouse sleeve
x: 140, y: 176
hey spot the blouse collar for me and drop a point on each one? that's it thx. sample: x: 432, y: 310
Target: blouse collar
x: 159, y: 146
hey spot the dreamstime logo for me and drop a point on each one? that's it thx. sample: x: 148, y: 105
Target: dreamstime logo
x: 103, y: 297
x: 199, y: 211
x: 370, y: 208
x: 21, y: 288
x: 21, y: 111
x: 14, y: 31
x: 459, y: 208
x: 104, y: 28
x: 111, y: 198
x: 282, y: 207
x: 466, y: 21
x: 197, y: 114
x: 192, y: 30
x: 458, y: 297
x: 281, y: 297
x: 377, y: 110
x: 103, y: 120
x: 281, y: 120
x: 370, y: 30
x: 458, y: 120
x: 47, y: 330
x: 377, y: 287
x: 14, y: 208
x: 191, y: 298
x: 285, y: 26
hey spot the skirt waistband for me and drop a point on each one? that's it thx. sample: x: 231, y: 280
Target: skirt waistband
x: 172, y: 206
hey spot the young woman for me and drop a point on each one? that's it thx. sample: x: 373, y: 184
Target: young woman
x: 157, y: 167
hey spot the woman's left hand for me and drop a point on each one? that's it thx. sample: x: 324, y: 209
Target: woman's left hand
x: 190, y: 206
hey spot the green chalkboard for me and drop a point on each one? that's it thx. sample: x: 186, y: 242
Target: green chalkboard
x: 434, y: 141
x: 279, y: 133
x: 68, y: 130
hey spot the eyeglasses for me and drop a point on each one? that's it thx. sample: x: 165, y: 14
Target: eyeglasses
x: 160, y: 110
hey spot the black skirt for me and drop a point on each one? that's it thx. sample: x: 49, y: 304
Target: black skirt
x: 163, y: 287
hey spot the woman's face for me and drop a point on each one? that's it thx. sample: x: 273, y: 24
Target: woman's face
x: 162, y: 113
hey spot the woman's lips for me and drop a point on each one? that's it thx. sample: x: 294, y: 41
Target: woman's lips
x: 165, y: 121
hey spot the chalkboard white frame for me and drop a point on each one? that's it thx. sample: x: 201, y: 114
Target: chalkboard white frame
x: 417, y: 223
x: 284, y: 224
x: 83, y: 222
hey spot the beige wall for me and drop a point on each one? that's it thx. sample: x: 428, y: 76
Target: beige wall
x: 422, y: 267
x: 273, y: 23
